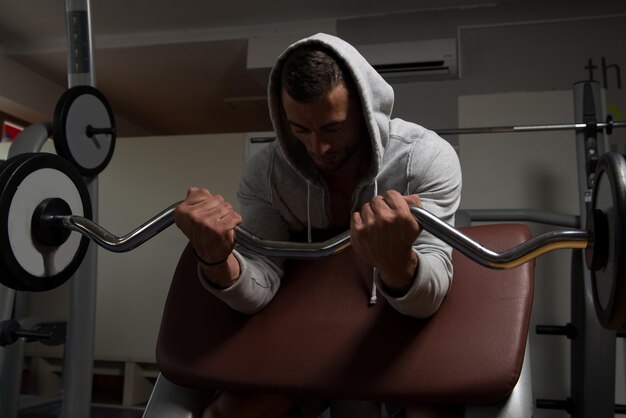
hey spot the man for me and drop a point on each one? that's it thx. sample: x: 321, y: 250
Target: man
x: 339, y: 162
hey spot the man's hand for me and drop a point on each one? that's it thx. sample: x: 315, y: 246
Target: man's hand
x: 209, y: 222
x: 382, y: 234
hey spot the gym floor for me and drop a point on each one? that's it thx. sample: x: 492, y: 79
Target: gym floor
x: 106, y: 401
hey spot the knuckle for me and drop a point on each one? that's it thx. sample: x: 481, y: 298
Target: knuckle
x: 388, y: 218
x: 197, y: 218
x: 357, y: 230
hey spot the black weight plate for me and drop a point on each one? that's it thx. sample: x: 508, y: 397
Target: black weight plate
x: 26, y: 180
x: 608, y: 272
x: 78, y: 108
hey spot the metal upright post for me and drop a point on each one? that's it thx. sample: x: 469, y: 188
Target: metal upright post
x: 593, y: 348
x: 79, y: 349
x: 80, y: 69
x: 7, y: 299
x: 80, y: 340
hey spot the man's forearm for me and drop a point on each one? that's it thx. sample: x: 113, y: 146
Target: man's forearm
x: 399, y: 277
x: 222, y: 275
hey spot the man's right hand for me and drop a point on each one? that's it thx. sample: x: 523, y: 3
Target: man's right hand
x: 209, y: 222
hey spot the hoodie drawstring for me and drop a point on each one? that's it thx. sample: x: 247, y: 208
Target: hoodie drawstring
x: 308, y: 213
x: 373, y: 297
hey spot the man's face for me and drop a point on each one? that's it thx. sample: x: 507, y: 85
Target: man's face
x: 330, y: 128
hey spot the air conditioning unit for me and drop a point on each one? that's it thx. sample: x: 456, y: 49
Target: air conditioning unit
x: 434, y: 59
x: 413, y: 61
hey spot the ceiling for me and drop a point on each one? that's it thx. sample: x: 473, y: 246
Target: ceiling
x: 177, y: 67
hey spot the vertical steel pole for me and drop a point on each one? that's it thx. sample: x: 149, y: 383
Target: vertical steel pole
x: 593, y: 349
x: 80, y: 68
x: 79, y: 348
x: 7, y: 299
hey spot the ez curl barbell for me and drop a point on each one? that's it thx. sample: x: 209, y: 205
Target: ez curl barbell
x: 43, y: 198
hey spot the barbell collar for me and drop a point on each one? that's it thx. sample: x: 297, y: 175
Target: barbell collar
x: 46, y: 213
x: 610, y: 123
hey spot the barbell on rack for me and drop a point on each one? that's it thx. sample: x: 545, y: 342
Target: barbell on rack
x: 43, y: 197
x: 607, y: 127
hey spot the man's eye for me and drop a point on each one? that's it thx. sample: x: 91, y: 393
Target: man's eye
x: 334, y: 128
x: 300, y: 130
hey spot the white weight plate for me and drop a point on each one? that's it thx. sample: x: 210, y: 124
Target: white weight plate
x: 42, y: 261
x: 86, y: 110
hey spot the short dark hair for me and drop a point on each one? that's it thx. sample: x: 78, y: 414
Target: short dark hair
x: 310, y: 72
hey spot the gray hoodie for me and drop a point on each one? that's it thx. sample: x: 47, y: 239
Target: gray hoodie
x: 281, y: 190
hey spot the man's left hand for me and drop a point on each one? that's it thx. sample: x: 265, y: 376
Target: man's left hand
x: 382, y: 234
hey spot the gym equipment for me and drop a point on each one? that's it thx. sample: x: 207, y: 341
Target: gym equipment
x: 608, y: 198
x: 84, y: 133
x: 49, y: 333
x: 29, y: 262
x: 84, y: 129
x: 606, y: 126
x: 318, y: 338
x: 35, y: 221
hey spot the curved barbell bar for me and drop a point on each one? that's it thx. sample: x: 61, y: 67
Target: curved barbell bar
x: 511, y: 258
x: 112, y: 242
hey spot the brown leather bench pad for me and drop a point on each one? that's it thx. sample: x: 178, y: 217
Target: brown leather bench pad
x: 319, y: 337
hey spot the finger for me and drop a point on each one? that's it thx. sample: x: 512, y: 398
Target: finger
x: 413, y: 200
x: 378, y: 204
x: 401, y: 204
x: 204, y: 204
x: 356, y: 221
x: 196, y: 195
x: 214, y: 208
x: 367, y: 214
x: 231, y: 220
x: 395, y: 200
x: 193, y: 191
x: 206, y: 212
x: 357, y: 228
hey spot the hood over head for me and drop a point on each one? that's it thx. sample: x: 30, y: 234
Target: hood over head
x: 375, y: 93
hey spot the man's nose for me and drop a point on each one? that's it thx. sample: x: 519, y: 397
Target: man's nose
x: 319, y: 146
